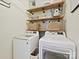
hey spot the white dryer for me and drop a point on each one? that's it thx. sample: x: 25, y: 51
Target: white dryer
x: 24, y: 45
x: 55, y: 45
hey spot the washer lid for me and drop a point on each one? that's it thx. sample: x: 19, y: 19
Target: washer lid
x: 25, y: 37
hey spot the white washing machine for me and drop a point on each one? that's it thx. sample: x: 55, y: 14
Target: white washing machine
x: 55, y: 45
x: 24, y: 45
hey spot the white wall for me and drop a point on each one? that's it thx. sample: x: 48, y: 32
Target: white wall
x: 72, y: 24
x: 12, y: 22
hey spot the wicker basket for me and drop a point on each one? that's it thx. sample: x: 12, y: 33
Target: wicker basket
x: 56, y: 26
x: 32, y: 26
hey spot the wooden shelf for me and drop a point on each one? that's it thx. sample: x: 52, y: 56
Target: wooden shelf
x: 46, y: 30
x: 49, y: 6
x: 48, y: 18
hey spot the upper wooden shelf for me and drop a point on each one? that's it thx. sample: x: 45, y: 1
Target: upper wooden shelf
x: 46, y: 7
x: 48, y: 18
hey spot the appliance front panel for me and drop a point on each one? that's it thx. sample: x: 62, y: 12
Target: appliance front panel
x: 20, y: 49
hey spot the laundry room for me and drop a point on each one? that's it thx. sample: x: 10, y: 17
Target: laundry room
x: 39, y: 29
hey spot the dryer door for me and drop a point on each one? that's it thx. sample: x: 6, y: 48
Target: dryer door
x: 55, y: 54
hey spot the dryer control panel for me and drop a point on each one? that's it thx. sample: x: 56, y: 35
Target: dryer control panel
x: 54, y: 33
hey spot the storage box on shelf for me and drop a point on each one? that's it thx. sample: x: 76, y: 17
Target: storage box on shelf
x: 32, y: 26
x: 55, y: 26
x: 42, y: 25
